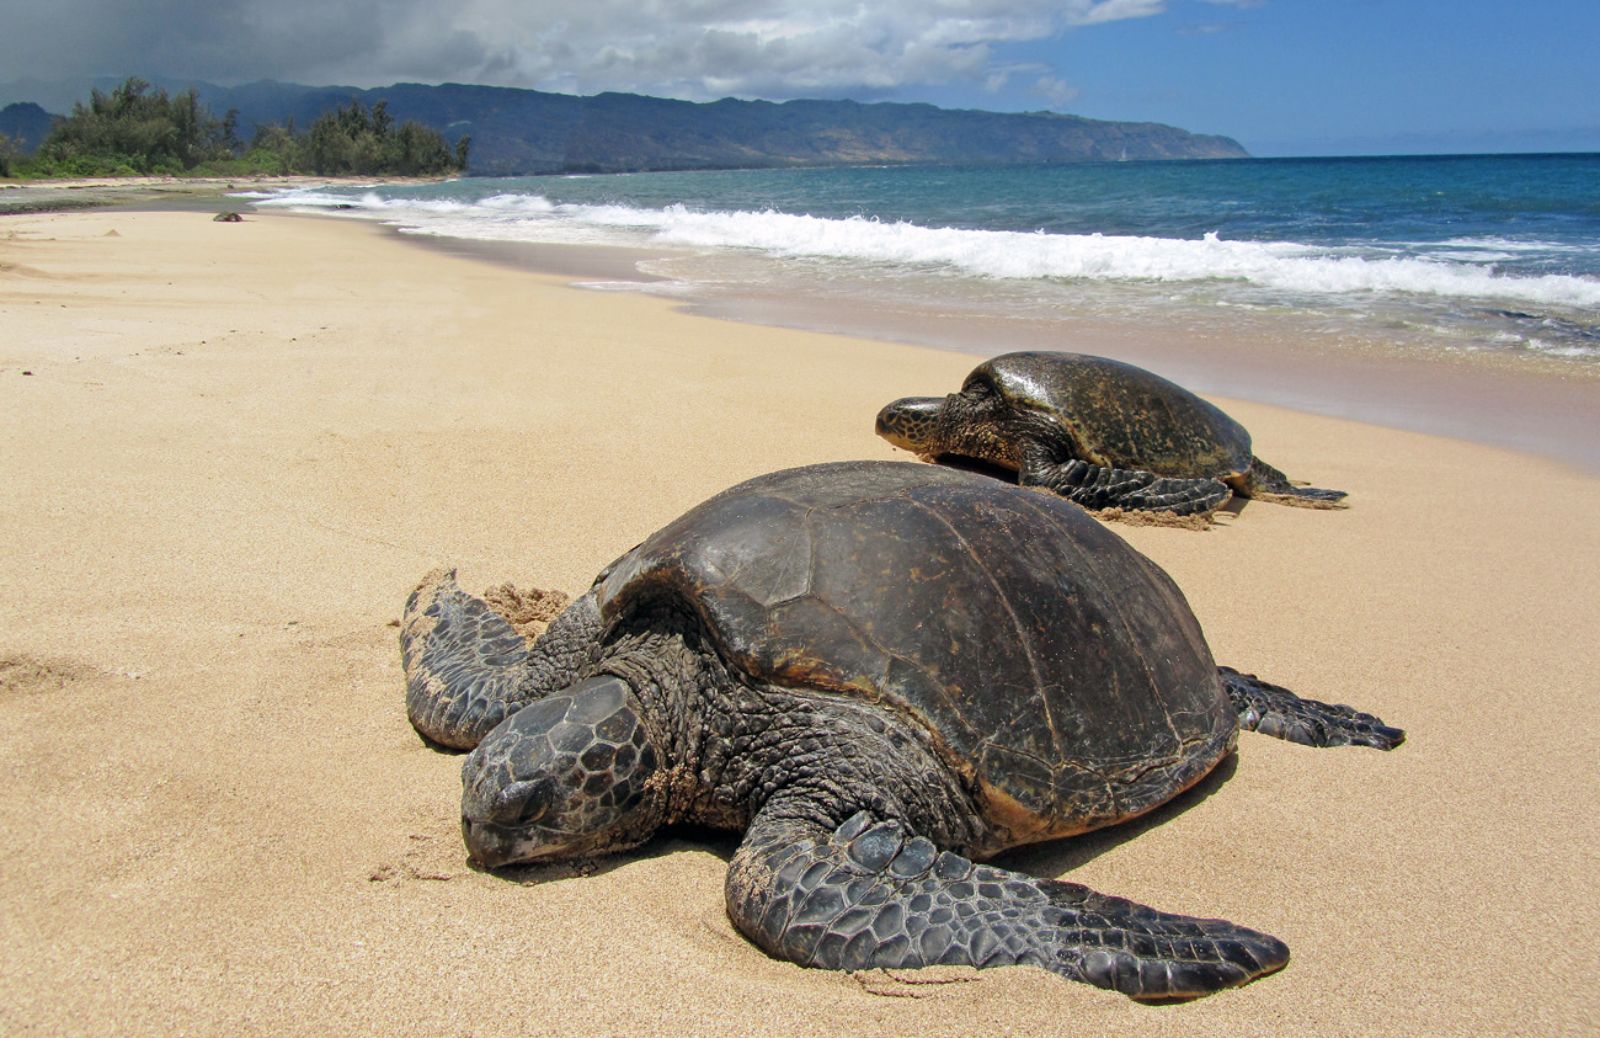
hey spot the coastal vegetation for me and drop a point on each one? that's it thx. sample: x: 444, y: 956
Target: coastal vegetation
x: 136, y: 129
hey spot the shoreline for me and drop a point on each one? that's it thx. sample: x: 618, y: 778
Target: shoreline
x: 1535, y: 406
x: 20, y: 197
x: 232, y: 449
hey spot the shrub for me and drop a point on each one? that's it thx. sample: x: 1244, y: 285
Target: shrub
x: 137, y: 129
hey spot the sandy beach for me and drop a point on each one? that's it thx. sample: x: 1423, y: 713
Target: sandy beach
x: 230, y: 450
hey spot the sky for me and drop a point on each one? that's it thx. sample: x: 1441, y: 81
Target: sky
x: 1305, y: 77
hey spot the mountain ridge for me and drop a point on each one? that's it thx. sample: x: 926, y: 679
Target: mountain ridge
x: 25, y: 124
x: 516, y: 131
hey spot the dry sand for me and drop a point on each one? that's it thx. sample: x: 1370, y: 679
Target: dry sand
x: 229, y: 450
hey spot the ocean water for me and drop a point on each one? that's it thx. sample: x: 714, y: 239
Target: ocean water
x: 1425, y: 256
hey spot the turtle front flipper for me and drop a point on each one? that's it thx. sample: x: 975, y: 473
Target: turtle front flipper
x: 1269, y: 484
x: 1098, y: 487
x: 467, y: 668
x: 868, y: 896
x: 1273, y: 710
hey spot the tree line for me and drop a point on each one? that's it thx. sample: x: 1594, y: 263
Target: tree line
x: 136, y: 129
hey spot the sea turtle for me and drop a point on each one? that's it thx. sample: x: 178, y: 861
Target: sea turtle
x: 1100, y: 432
x: 878, y: 671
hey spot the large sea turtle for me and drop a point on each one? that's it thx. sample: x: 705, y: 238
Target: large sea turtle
x: 1100, y: 432
x: 879, y: 672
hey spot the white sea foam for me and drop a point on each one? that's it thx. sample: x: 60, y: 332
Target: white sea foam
x: 1511, y: 245
x: 1464, y: 269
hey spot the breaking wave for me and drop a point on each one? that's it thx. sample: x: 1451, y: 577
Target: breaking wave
x: 1465, y: 269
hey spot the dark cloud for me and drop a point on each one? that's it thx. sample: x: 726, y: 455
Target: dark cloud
x: 684, y: 48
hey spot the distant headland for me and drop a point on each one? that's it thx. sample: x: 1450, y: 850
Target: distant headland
x: 517, y: 132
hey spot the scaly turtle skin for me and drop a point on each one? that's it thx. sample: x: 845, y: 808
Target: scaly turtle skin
x: 878, y: 672
x: 1097, y: 431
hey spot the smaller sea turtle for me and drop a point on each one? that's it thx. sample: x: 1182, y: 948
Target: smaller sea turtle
x: 1099, y: 432
x: 877, y: 671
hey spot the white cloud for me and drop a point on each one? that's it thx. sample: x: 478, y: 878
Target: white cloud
x: 1114, y: 10
x: 697, y: 49
x: 1058, y: 92
x: 708, y: 49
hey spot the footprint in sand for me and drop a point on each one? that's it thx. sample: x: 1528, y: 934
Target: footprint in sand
x: 22, y: 674
x: 412, y: 864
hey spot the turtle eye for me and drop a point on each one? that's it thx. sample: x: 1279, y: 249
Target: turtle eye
x: 523, y: 803
x: 977, y: 390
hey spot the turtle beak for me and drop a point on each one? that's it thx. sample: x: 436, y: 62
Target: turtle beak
x: 491, y: 846
x: 487, y: 846
x: 913, y: 423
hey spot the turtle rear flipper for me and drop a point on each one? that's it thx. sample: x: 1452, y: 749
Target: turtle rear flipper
x: 869, y: 896
x: 1098, y: 487
x: 1269, y: 484
x: 467, y: 668
x: 1273, y: 710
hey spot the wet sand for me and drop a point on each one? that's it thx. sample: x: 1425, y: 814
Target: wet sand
x: 1540, y: 405
x: 231, y: 450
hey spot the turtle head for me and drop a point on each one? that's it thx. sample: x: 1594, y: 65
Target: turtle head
x: 566, y: 776
x: 983, y: 422
x: 915, y: 423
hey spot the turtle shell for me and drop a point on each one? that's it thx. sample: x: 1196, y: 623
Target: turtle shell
x: 1119, y: 415
x: 1055, y: 668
